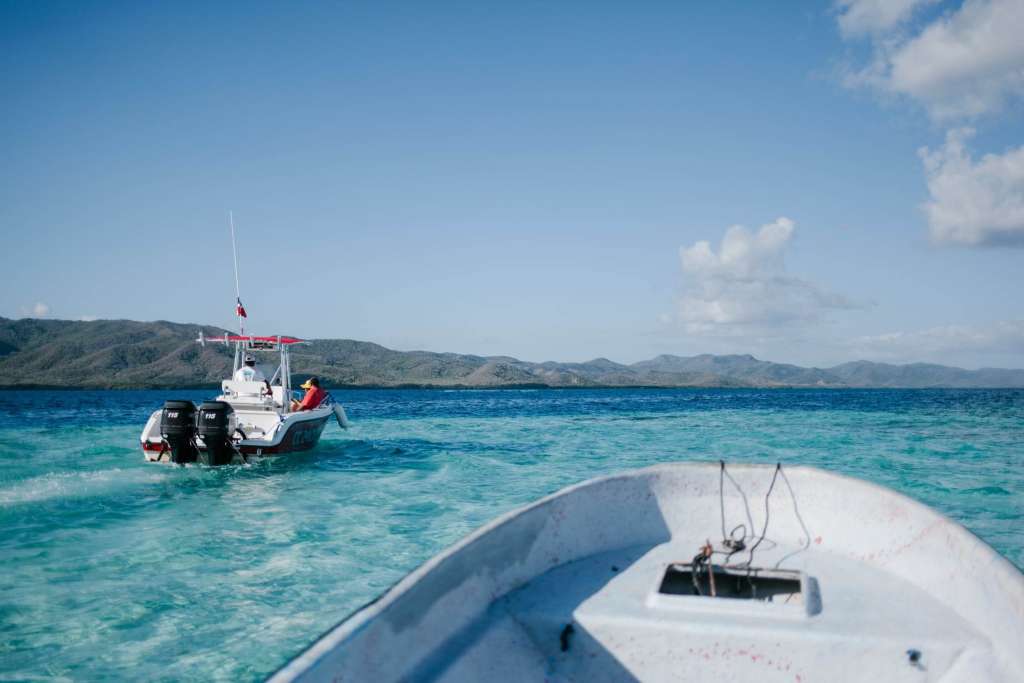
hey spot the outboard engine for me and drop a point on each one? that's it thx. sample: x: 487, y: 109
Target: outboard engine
x: 215, y: 425
x: 178, y: 430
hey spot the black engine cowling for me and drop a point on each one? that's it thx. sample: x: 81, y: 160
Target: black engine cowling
x: 215, y: 425
x: 178, y: 430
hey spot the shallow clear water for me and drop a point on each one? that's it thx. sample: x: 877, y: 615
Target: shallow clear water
x: 113, y: 568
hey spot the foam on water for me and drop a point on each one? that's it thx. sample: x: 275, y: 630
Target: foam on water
x: 114, y: 568
x: 65, y: 485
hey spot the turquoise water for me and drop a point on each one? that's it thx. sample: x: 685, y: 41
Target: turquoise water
x: 113, y: 568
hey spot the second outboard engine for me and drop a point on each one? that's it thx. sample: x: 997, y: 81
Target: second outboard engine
x: 178, y: 430
x: 215, y: 425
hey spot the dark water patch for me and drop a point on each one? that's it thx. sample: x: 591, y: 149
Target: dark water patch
x: 987, y: 491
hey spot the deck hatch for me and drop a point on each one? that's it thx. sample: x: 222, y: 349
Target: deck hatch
x: 768, y: 585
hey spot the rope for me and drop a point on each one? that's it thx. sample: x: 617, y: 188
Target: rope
x: 767, y: 512
x: 703, y: 560
x: 729, y: 541
x: 746, y: 503
x: 799, y: 518
x: 721, y: 494
x: 735, y: 542
x: 694, y: 570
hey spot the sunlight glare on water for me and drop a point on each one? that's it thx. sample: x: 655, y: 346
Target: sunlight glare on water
x: 114, y: 568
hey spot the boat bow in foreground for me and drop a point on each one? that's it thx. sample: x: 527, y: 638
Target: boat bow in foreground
x: 696, y: 572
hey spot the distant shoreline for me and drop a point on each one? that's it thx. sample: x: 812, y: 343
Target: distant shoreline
x: 124, y: 354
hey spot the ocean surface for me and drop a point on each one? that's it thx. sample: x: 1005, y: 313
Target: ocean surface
x: 114, y: 568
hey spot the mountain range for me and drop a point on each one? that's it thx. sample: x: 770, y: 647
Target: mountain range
x: 128, y: 354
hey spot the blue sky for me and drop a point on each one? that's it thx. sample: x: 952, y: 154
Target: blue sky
x: 527, y: 179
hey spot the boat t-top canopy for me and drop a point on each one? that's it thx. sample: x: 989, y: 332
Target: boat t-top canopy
x: 251, y: 341
x: 243, y: 343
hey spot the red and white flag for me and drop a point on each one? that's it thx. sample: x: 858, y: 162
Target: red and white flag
x: 240, y: 309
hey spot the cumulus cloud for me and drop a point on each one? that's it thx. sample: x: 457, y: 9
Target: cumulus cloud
x: 974, y: 202
x: 1004, y: 337
x: 40, y: 310
x: 872, y: 17
x: 963, y: 63
x: 744, y: 287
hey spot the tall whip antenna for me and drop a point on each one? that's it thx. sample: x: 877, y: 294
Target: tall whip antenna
x: 239, y: 309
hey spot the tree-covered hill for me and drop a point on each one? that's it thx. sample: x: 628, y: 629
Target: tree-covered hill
x: 130, y: 354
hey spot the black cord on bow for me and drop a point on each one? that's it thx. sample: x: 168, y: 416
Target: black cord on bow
x: 767, y: 512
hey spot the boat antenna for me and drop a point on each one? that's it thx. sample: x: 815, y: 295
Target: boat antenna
x: 239, y: 309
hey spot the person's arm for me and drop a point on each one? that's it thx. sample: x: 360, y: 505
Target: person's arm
x: 312, y: 399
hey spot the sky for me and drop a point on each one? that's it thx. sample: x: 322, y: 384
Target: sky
x: 808, y: 182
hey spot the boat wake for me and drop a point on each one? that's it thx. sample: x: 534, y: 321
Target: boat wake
x: 80, y: 484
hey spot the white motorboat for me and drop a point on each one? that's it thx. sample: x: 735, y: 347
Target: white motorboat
x: 696, y: 572
x: 248, y: 419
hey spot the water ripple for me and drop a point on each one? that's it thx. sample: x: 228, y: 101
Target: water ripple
x: 114, y: 568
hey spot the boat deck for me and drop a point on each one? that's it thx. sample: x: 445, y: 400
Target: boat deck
x: 864, y: 622
x: 864, y: 585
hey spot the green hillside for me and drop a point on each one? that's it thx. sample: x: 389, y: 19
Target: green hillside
x: 129, y: 354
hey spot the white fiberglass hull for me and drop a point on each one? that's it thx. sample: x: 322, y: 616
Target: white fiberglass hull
x: 270, y: 433
x: 576, y: 587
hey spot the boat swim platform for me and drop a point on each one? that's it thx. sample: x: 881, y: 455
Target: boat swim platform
x: 847, y: 581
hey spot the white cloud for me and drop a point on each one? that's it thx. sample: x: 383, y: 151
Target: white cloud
x: 866, y: 17
x: 974, y: 202
x: 40, y: 310
x: 964, y: 63
x: 744, y: 288
x: 1004, y: 338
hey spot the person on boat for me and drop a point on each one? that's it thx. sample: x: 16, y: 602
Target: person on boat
x: 314, y: 395
x: 249, y: 372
